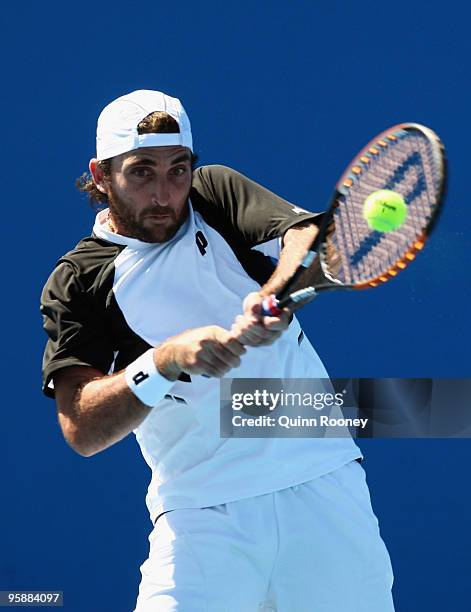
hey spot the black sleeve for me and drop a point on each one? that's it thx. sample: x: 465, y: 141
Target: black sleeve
x: 76, y: 331
x: 252, y: 213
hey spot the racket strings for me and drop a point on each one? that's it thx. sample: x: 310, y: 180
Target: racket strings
x: 354, y: 253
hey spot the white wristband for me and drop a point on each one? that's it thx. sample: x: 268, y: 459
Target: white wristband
x: 145, y: 381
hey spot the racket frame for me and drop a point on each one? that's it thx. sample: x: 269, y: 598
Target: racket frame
x: 273, y: 304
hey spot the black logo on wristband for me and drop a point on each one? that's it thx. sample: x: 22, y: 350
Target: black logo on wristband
x: 139, y: 377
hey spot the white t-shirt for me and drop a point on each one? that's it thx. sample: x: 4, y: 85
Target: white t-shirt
x: 144, y: 293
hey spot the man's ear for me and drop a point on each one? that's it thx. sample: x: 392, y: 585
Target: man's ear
x: 98, y: 176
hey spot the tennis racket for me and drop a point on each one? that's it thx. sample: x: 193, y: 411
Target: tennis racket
x: 408, y: 159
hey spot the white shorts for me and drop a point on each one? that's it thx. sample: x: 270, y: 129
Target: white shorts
x: 314, y: 547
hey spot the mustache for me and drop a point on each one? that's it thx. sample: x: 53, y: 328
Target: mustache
x: 157, y: 210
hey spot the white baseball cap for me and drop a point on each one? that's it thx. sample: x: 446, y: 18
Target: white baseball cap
x: 117, y: 124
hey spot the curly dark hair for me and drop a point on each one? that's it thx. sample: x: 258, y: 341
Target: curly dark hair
x: 158, y: 122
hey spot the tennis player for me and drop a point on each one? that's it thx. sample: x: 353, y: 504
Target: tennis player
x: 143, y: 317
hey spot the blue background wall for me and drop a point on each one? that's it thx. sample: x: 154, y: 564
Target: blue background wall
x: 286, y: 94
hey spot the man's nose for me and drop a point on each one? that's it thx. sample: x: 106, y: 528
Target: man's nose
x: 161, y: 193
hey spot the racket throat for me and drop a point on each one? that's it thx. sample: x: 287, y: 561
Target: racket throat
x: 309, y: 293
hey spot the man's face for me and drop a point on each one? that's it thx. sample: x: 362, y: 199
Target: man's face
x: 148, y: 192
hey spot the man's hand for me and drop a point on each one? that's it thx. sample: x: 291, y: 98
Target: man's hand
x: 210, y: 350
x: 253, y: 329
x: 96, y: 410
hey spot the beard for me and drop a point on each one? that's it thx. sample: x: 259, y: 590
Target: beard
x: 133, y: 225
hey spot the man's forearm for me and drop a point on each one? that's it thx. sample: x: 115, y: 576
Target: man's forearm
x: 95, y: 411
x: 297, y: 241
x: 109, y: 408
x: 105, y: 411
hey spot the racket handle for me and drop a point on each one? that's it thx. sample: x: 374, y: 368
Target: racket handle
x: 270, y: 306
x: 273, y: 307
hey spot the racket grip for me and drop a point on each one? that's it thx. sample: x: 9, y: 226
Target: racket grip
x: 270, y: 307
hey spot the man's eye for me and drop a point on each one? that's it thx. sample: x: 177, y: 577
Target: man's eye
x: 179, y: 171
x: 141, y: 172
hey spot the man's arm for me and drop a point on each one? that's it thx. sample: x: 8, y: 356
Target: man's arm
x: 296, y: 243
x: 253, y: 329
x: 96, y: 411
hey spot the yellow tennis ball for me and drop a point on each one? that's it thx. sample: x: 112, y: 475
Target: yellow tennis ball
x: 385, y: 210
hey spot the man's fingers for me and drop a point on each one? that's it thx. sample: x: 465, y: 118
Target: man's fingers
x: 250, y: 338
x: 263, y: 329
x: 210, y: 371
x: 213, y: 366
x: 248, y: 324
x: 276, y: 323
x: 252, y: 305
x: 226, y: 340
x: 252, y: 332
x: 235, y: 347
x: 223, y: 355
x: 226, y: 356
